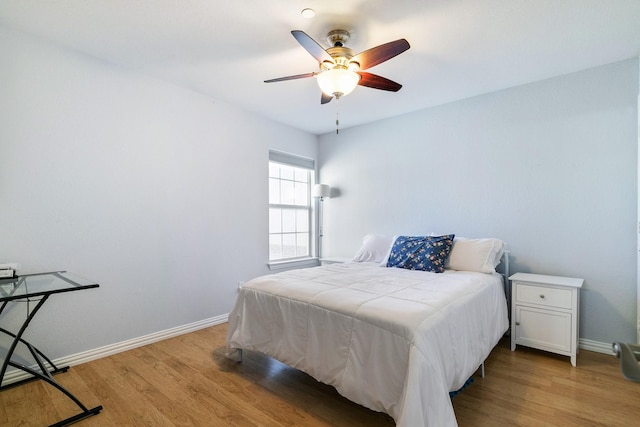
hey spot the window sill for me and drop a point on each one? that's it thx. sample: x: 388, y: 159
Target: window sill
x: 294, y: 263
x: 334, y: 260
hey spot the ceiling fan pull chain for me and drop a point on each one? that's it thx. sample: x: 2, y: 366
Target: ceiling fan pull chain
x: 337, y: 116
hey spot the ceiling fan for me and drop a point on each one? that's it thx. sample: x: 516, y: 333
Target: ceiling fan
x: 341, y: 70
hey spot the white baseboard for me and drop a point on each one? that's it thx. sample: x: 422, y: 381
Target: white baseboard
x: 108, y: 350
x: 598, y: 347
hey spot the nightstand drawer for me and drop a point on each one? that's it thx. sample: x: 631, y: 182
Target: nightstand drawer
x: 549, y: 297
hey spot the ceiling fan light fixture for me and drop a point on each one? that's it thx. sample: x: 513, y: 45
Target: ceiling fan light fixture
x: 338, y: 82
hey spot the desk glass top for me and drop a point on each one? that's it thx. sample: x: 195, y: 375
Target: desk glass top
x: 31, y: 285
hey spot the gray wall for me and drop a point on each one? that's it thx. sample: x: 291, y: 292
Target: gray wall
x: 153, y: 191
x: 548, y: 167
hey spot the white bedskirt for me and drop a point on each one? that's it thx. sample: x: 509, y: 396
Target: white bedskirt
x: 390, y: 339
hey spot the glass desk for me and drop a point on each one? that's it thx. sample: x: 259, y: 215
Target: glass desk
x: 36, y: 289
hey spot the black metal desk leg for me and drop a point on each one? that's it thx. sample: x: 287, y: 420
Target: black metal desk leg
x: 41, y: 361
x: 18, y: 337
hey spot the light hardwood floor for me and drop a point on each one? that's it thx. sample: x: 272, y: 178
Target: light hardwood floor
x: 187, y: 381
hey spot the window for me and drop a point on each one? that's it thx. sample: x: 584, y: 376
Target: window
x: 290, y: 180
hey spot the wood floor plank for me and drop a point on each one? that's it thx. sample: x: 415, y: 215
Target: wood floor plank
x: 21, y: 410
x: 188, y: 381
x: 535, y: 388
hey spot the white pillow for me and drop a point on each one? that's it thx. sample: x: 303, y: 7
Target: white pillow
x: 480, y: 255
x: 374, y: 248
x: 385, y: 259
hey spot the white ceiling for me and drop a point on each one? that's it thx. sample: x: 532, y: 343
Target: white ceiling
x: 226, y: 49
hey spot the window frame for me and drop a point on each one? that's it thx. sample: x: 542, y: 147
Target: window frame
x: 308, y: 165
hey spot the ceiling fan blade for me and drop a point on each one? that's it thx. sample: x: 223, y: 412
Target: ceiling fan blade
x: 376, y: 55
x: 325, y: 98
x: 312, y: 46
x: 378, y: 82
x: 297, y: 76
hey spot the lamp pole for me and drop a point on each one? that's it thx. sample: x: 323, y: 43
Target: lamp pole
x: 320, y: 191
x: 320, y: 226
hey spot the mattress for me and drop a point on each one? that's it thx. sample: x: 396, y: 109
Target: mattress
x: 390, y: 339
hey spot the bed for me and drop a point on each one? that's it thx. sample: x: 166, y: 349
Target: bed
x: 395, y: 340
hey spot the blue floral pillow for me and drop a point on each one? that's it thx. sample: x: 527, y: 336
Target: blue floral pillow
x: 428, y: 253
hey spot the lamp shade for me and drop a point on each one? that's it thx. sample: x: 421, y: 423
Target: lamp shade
x: 338, y: 81
x: 321, y: 190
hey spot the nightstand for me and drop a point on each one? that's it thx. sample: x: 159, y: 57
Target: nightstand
x: 544, y: 313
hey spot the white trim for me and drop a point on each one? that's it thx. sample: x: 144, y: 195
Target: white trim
x: 108, y: 350
x: 294, y: 263
x: 638, y: 218
x: 335, y: 260
x: 292, y: 160
x: 598, y: 347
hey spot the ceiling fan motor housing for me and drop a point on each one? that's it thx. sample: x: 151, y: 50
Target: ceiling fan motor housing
x: 338, y: 37
x: 342, y: 59
x: 339, y: 52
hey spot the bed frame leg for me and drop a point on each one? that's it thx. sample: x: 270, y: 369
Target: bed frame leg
x: 482, y: 369
x: 234, y: 354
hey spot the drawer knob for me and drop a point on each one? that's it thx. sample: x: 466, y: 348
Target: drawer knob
x: 542, y: 296
x: 517, y: 323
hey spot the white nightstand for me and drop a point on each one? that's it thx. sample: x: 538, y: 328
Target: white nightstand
x: 544, y: 313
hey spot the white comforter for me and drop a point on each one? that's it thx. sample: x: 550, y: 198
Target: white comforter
x: 390, y: 339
